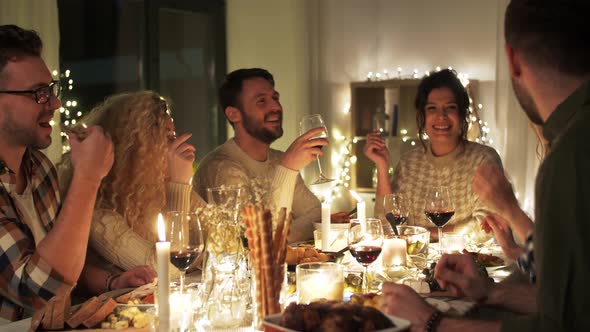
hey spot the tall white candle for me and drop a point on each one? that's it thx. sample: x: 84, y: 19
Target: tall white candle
x: 361, y: 207
x: 163, y: 257
x: 326, y: 226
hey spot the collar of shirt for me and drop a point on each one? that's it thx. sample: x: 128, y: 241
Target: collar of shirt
x: 559, y: 119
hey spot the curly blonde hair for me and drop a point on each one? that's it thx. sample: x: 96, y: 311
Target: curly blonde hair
x: 135, y: 185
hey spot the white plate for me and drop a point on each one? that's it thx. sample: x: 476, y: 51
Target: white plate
x: 441, y: 305
x: 271, y: 324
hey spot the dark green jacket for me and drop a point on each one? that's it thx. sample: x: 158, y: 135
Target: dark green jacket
x: 562, y: 222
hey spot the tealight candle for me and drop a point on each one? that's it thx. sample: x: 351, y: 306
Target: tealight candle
x: 163, y: 257
x: 394, y: 252
x: 316, y: 281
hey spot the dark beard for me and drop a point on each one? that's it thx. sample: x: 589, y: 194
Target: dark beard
x: 262, y: 134
x: 527, y: 103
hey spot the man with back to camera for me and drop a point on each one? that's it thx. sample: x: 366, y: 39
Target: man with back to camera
x: 251, y: 104
x: 549, y: 58
x: 43, y: 240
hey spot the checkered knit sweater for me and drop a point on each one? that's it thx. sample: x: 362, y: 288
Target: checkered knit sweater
x: 420, y: 170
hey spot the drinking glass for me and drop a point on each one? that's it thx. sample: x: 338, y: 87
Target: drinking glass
x: 396, y: 209
x: 439, y: 209
x: 365, y: 242
x: 186, y: 240
x: 307, y: 123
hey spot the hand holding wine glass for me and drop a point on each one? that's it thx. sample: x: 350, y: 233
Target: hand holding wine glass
x: 365, y: 242
x: 307, y: 123
x: 186, y: 240
x: 439, y: 209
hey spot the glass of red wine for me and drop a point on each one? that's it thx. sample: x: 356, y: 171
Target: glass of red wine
x: 439, y: 209
x: 396, y: 210
x: 186, y: 240
x: 365, y: 241
x: 307, y: 123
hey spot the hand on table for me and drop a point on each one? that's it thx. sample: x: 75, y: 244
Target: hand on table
x: 460, y: 275
x: 180, y: 159
x: 137, y: 276
x: 304, y: 150
x: 339, y: 217
x: 376, y: 150
x: 404, y: 302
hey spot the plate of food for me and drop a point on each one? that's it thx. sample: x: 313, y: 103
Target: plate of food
x: 333, y: 316
x: 491, y: 261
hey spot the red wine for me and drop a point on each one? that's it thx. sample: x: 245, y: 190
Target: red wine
x: 439, y: 218
x: 184, y: 258
x: 365, y: 254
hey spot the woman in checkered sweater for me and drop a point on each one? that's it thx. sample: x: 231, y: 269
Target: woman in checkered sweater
x: 447, y: 158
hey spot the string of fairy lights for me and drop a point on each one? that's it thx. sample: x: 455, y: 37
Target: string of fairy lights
x: 343, y: 157
x: 70, y: 113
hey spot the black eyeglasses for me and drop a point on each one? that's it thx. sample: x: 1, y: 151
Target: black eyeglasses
x: 42, y: 94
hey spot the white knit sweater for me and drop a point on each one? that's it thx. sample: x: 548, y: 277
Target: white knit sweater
x: 228, y: 164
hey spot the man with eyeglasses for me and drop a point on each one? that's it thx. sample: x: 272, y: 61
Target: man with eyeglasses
x: 44, y: 237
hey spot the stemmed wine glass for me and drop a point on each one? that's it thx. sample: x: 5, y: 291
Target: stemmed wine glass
x: 307, y: 123
x: 396, y: 210
x: 365, y: 241
x: 186, y: 240
x: 439, y: 209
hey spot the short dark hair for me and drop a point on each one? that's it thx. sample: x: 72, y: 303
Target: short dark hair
x: 230, y: 90
x: 445, y: 78
x: 16, y: 42
x: 551, y: 33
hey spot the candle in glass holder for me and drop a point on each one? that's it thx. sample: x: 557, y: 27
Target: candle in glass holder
x: 317, y: 281
x: 163, y: 257
x: 394, y: 252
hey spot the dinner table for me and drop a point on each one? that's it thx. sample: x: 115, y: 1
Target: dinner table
x: 441, y: 300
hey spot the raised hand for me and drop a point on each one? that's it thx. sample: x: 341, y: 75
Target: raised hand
x: 376, y: 150
x: 180, y: 159
x: 494, y: 189
x: 503, y: 235
x: 304, y: 149
x: 92, y: 157
x: 460, y: 275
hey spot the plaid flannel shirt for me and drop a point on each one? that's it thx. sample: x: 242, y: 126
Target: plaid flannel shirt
x: 27, y: 281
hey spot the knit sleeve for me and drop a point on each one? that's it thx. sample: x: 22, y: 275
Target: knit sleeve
x: 113, y: 239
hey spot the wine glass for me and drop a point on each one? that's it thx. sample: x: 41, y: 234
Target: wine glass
x: 186, y: 240
x: 439, y: 209
x: 307, y: 123
x: 396, y: 210
x: 365, y: 241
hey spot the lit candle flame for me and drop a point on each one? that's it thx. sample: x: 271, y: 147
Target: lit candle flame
x: 161, y: 230
x: 356, y: 196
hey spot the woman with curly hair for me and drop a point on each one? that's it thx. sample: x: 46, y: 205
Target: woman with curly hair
x: 151, y: 173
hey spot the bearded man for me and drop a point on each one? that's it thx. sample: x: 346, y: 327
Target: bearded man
x: 252, y: 106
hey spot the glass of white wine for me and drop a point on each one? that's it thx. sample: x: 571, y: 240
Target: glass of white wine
x: 307, y: 123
